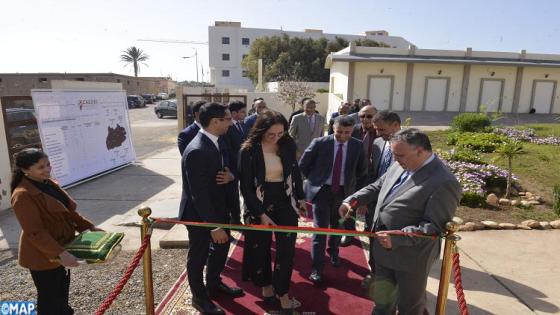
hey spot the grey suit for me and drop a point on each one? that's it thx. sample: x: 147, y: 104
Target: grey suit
x: 422, y: 204
x: 303, y: 133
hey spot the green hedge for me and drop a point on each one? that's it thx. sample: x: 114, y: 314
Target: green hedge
x: 471, y: 122
x: 462, y: 155
x: 479, y: 142
x: 473, y: 200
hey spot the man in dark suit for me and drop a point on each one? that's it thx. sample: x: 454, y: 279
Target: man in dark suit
x: 334, y: 167
x: 187, y: 134
x: 234, y: 137
x: 386, y: 124
x: 366, y: 132
x: 204, y: 200
x: 259, y: 105
x: 417, y: 194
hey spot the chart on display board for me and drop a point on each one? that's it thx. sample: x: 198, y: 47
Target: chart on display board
x: 84, y: 133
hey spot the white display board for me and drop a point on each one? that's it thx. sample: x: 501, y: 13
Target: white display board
x: 84, y: 133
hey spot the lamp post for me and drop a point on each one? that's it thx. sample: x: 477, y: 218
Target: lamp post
x: 196, y: 61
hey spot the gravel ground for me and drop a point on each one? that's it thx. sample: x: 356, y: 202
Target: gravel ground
x: 92, y: 283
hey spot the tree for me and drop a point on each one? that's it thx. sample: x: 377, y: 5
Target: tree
x: 285, y: 58
x: 133, y: 55
x: 291, y: 92
x: 509, y: 152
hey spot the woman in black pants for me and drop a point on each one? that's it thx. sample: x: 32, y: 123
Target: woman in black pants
x: 272, y: 188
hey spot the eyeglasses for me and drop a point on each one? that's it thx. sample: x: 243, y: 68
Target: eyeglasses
x: 366, y: 116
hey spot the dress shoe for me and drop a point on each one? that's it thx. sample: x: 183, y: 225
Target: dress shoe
x: 335, y: 260
x: 346, y: 241
x: 316, y: 277
x: 225, y: 290
x: 205, y: 306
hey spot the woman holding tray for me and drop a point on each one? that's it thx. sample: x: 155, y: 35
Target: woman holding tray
x: 48, y: 218
x: 272, y: 188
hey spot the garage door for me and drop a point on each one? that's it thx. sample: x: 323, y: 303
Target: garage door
x: 491, y: 95
x: 543, y: 93
x: 381, y: 91
x: 436, y: 94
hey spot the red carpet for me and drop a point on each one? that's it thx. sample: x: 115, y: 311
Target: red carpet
x: 340, y: 293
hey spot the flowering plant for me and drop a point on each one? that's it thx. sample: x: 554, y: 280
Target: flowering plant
x: 527, y: 135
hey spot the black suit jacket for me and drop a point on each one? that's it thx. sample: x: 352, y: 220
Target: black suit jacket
x: 233, y: 139
x: 252, y: 177
x: 317, y: 161
x: 202, y: 200
x: 186, y: 136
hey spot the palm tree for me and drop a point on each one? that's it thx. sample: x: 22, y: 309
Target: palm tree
x: 133, y: 55
x: 509, y: 151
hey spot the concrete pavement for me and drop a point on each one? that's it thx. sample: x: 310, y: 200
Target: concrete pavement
x: 504, y: 272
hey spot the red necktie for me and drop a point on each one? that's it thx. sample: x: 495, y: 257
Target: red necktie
x: 337, y: 169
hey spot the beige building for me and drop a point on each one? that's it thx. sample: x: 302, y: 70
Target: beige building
x: 445, y: 80
x: 20, y: 84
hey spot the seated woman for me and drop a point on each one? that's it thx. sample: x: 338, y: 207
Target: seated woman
x: 49, y: 220
x: 272, y: 188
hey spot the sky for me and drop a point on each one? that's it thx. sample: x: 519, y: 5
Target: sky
x: 89, y: 36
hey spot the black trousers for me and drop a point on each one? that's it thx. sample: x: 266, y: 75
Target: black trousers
x: 53, y: 287
x: 202, y: 251
x: 260, y: 269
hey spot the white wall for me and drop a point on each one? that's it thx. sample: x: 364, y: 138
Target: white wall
x: 338, y: 83
x: 533, y: 73
x: 484, y: 72
x: 5, y: 169
x: 423, y: 70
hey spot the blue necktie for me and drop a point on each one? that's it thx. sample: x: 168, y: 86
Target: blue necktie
x: 386, y: 161
x: 404, y: 176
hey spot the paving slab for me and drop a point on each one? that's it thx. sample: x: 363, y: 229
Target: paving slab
x: 177, y: 237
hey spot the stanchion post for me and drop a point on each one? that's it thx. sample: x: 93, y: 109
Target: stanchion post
x: 449, y: 248
x: 145, y: 213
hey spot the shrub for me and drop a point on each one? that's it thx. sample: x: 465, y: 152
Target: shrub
x: 322, y: 90
x: 471, y: 122
x: 473, y: 200
x: 462, y: 155
x: 480, y: 142
x: 556, y: 199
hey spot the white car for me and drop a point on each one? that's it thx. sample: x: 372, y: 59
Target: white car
x: 162, y: 96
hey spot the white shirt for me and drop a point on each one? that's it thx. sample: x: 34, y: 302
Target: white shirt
x: 344, y: 151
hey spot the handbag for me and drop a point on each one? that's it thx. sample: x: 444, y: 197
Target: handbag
x: 95, y: 247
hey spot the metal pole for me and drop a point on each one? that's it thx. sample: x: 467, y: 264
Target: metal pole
x: 145, y: 212
x: 196, y: 62
x: 449, y: 248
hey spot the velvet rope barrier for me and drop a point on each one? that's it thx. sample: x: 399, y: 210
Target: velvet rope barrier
x: 293, y: 229
x: 126, y: 276
x: 459, y: 285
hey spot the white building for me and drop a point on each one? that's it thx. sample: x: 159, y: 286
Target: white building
x: 445, y: 80
x: 228, y: 42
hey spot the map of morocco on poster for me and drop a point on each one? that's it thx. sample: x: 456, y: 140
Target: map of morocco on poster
x: 83, y: 133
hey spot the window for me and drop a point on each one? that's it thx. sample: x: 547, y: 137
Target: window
x: 245, y: 41
x: 137, y: 83
x: 43, y: 80
x: 80, y: 79
x: 225, y: 57
x: 225, y: 40
x: 128, y: 82
x: 0, y: 80
x: 244, y: 73
x: 118, y: 80
x: 225, y: 73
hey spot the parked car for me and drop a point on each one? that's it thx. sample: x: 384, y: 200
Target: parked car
x: 135, y: 101
x: 149, y: 98
x: 166, y: 108
x: 162, y: 96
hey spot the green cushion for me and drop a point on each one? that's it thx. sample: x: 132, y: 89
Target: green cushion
x: 94, y: 247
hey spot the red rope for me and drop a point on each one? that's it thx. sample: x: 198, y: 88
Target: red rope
x: 459, y: 285
x: 128, y: 273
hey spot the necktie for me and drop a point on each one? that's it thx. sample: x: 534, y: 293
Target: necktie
x: 404, y: 176
x: 239, y: 128
x: 386, y: 161
x: 337, y: 169
x: 369, y: 138
x: 310, y: 121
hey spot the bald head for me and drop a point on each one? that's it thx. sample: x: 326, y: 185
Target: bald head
x: 366, y: 116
